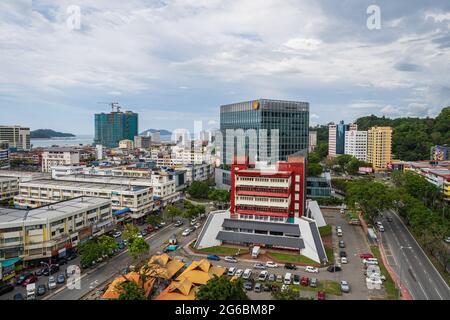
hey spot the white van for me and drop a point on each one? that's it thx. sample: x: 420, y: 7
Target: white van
x: 339, y: 233
x: 231, y: 271
x: 287, y: 278
x: 371, y: 262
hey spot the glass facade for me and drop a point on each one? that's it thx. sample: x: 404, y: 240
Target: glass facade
x: 317, y: 187
x: 290, y: 118
x: 340, y: 137
x: 112, y: 127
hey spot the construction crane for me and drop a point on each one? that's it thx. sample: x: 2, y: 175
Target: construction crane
x: 113, y: 105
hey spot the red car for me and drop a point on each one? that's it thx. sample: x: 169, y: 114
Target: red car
x: 31, y: 279
x: 365, y: 255
x: 304, y: 281
x: 320, y: 295
x: 150, y: 229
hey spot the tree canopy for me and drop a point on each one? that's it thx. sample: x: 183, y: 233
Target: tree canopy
x: 221, y: 288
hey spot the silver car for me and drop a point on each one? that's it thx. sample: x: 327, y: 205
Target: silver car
x: 345, y: 287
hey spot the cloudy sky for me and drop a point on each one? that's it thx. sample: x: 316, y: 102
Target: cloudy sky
x: 177, y: 61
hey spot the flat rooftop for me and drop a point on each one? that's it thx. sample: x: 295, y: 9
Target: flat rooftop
x: 108, y: 179
x: 51, y: 211
x: 84, y: 184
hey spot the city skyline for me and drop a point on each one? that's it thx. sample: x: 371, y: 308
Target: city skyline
x: 206, y: 54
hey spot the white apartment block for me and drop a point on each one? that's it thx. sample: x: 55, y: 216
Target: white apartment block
x: 66, y: 170
x: 312, y: 141
x: 332, y: 140
x: 137, y: 201
x: 43, y: 232
x: 9, y: 187
x: 53, y: 157
x: 17, y: 136
x: 164, y: 188
x: 356, y: 144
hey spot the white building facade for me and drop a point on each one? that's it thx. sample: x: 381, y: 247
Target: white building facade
x: 356, y: 144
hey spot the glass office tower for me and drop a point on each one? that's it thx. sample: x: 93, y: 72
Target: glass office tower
x: 291, y: 118
x: 112, y: 127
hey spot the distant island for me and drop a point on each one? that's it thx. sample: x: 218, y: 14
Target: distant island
x: 48, y: 134
x: 162, y: 132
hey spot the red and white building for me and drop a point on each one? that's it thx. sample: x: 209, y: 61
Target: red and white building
x: 268, y: 194
x: 267, y: 209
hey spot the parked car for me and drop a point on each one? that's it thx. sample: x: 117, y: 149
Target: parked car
x: 274, y: 288
x: 311, y: 269
x: 117, y: 234
x: 342, y: 254
x: 341, y: 244
x: 71, y: 256
x: 296, y: 279
x: 150, y: 228
x: 313, y: 283
x: 290, y: 266
x: 271, y: 264
x: 447, y: 239
x: 41, y: 290
x: 247, y: 274
x: 344, y: 260
x: 197, y: 225
x: 5, y: 288
x: 287, y: 278
x: 258, y: 287
x: 389, y: 219
x: 381, y: 228
x: 21, y: 278
x: 334, y: 269
x: 60, y: 279
x: 231, y: 271
x: 320, y: 295
x: 272, y: 277
x: 239, y: 273
x: 18, y: 296
x: 38, y: 272
x: 144, y: 233
x: 304, y: 281
x: 213, y: 257
x: 279, y: 278
x: 230, y: 259
x: 266, y: 288
x: 345, y: 287
x: 162, y: 223
x: 248, y: 285
x: 29, y: 280
x: 263, y: 275
x: 259, y: 266
x: 193, y: 222
x: 186, y: 232
x: 365, y: 255
x: 51, y: 283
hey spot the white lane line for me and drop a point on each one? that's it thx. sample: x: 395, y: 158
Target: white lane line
x: 432, y: 265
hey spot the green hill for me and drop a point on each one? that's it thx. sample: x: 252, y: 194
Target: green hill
x: 48, y: 134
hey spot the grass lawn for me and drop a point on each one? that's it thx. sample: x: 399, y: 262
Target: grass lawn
x: 330, y: 254
x: 223, y: 250
x: 292, y: 258
x: 325, y: 231
x: 389, y: 285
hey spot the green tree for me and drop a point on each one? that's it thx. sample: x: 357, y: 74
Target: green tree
x: 313, y: 169
x: 129, y: 290
x: 343, y: 160
x: 107, y: 244
x: 371, y: 197
x: 171, y: 211
x: 198, y: 189
x: 221, y: 288
x: 130, y: 231
x: 219, y: 195
x: 138, y: 248
x: 153, y: 219
x: 89, y: 252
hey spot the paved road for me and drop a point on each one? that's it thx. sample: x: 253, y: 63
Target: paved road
x: 411, y: 264
x: 355, y: 244
x: 110, y: 269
